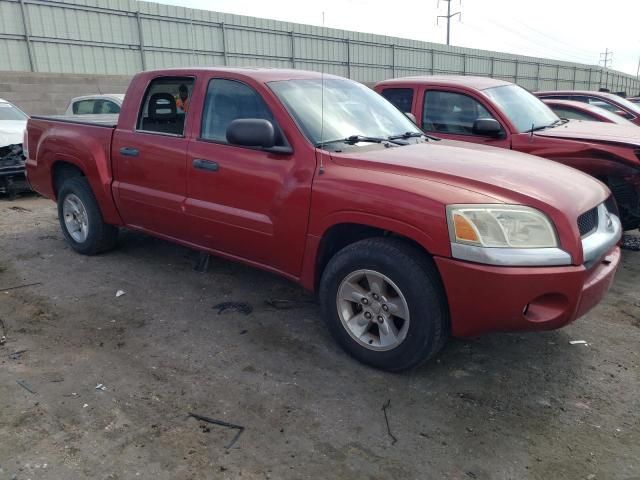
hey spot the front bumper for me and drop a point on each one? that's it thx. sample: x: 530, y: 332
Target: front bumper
x: 486, y: 298
x: 12, y: 170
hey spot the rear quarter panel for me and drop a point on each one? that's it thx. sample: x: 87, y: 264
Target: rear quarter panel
x: 88, y: 147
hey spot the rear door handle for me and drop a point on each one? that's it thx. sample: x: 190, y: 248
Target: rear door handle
x: 129, y: 151
x: 208, y: 165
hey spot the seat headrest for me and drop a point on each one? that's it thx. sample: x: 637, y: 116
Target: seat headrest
x: 162, y: 106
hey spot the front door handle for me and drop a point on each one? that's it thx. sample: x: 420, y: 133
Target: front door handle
x: 208, y: 165
x: 129, y: 152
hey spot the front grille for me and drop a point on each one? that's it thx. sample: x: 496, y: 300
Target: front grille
x: 588, y: 222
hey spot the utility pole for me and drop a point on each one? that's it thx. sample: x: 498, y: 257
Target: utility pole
x: 448, y: 16
x: 606, y: 59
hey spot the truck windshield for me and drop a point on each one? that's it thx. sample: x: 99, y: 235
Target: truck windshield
x: 9, y: 112
x: 525, y: 111
x: 350, y: 110
x: 632, y: 107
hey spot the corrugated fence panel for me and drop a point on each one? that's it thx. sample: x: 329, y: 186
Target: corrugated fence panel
x: 412, y: 60
x: 126, y: 36
x: 15, y: 55
x: 11, y: 19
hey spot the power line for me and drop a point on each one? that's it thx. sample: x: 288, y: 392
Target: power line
x: 606, y: 59
x: 448, y: 16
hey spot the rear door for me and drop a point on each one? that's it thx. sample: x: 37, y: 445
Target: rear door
x: 149, y: 161
x: 451, y: 114
x: 246, y: 202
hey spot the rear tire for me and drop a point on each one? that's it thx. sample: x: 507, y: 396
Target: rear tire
x: 383, y: 301
x: 81, y: 220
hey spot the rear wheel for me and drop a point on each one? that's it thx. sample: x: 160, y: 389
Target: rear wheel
x: 81, y: 220
x: 383, y: 302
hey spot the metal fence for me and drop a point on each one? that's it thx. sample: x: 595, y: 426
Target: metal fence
x: 126, y: 36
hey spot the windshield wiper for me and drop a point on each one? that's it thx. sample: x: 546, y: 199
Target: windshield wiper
x: 555, y: 123
x: 407, y: 135
x: 353, y: 139
x: 560, y: 121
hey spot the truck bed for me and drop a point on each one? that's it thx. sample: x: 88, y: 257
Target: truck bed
x: 101, y: 120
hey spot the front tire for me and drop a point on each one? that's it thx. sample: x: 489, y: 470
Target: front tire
x: 81, y: 220
x: 383, y: 302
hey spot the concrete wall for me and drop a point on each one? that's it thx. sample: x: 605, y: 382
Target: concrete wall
x: 126, y: 36
x: 50, y: 93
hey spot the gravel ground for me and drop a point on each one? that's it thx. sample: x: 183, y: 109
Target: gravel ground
x: 497, y: 407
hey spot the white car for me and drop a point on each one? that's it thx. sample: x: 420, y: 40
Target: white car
x: 13, y: 123
x: 108, y: 103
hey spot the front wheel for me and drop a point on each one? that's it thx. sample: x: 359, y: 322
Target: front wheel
x: 383, y: 302
x: 81, y: 220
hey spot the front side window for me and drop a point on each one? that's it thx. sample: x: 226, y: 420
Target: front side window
x: 448, y: 112
x: 525, y: 111
x: 331, y: 109
x: 165, y: 106
x: 401, y: 98
x: 229, y: 100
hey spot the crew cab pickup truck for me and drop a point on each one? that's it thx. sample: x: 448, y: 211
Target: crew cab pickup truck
x: 497, y: 113
x: 319, y: 179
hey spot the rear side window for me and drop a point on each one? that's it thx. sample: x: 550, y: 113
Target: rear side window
x: 401, y: 98
x: 229, y: 100
x: 166, y: 105
x: 449, y: 112
x: 107, y: 106
x: 84, y: 107
x: 95, y: 106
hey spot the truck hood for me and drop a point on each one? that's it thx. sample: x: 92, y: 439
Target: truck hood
x: 505, y: 175
x: 595, y: 132
x: 11, y: 132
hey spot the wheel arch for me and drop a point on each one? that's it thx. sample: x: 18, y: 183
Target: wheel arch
x: 343, y: 232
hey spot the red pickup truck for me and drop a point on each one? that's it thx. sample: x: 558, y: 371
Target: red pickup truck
x: 498, y: 113
x: 319, y: 179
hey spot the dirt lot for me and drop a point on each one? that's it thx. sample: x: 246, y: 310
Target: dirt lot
x: 499, y: 407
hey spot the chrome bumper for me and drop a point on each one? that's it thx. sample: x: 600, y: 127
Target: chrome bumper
x: 603, y: 238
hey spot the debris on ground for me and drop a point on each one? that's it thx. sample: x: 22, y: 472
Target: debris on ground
x: 16, y: 355
x: 386, y: 419
x: 3, y: 337
x: 202, y: 264
x: 19, y: 209
x: 240, y: 307
x: 120, y: 293
x: 578, y: 342
x: 20, y: 286
x: 282, y: 304
x: 25, y: 385
x: 222, y: 423
x: 630, y: 242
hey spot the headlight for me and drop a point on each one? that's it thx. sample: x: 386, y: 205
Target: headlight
x: 500, y: 226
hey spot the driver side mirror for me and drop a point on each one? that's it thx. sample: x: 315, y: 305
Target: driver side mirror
x: 251, y: 132
x: 487, y: 127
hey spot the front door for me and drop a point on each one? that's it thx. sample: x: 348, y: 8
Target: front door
x: 245, y: 202
x: 452, y: 115
x: 149, y: 162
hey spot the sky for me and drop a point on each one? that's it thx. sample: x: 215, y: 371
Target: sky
x: 570, y: 30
